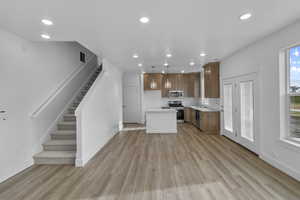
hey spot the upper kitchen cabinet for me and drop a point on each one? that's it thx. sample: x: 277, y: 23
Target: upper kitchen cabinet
x: 175, y: 82
x: 211, y: 80
x: 188, y: 83
x: 192, y: 84
x: 152, y: 81
x: 164, y: 88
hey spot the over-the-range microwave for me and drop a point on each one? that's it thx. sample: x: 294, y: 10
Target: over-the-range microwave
x: 176, y: 93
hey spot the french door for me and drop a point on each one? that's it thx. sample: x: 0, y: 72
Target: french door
x: 240, y: 110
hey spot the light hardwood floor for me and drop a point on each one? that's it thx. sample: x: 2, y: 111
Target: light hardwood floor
x: 136, y: 166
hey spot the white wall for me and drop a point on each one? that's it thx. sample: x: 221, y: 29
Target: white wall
x: 29, y: 72
x: 263, y: 57
x: 99, y: 115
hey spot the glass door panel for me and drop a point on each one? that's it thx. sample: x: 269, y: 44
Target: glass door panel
x: 228, y: 103
x: 247, y: 110
x: 227, y: 106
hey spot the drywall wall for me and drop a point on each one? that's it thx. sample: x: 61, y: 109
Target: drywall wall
x: 29, y: 73
x: 262, y: 57
x: 99, y: 115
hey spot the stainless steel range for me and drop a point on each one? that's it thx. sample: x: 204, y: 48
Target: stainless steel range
x: 177, y: 105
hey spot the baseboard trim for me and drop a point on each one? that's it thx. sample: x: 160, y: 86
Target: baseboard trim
x: 279, y: 165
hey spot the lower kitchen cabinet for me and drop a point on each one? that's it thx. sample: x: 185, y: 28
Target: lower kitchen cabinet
x: 208, y: 122
x: 188, y: 114
x: 193, y: 116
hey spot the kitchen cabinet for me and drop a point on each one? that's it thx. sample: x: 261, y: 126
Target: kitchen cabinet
x: 175, y: 80
x: 187, y: 114
x: 188, y: 83
x: 211, y: 80
x: 152, y: 77
x: 210, y: 122
x: 164, y: 90
x: 193, y: 116
x: 192, y: 85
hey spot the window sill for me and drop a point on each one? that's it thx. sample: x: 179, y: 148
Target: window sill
x: 290, y: 144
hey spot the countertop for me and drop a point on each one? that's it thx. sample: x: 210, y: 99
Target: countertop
x: 203, y: 109
x: 161, y: 110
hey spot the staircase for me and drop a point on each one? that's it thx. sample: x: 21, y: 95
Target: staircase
x: 61, y: 148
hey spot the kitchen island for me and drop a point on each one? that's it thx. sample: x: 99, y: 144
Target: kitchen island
x: 160, y: 120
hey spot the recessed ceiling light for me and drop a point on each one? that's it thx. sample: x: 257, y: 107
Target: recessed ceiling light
x: 135, y: 55
x: 47, y: 22
x: 166, y: 64
x: 163, y: 71
x: 169, y: 55
x: 140, y: 65
x: 45, y: 36
x: 245, y: 16
x: 182, y: 71
x: 203, y: 54
x: 144, y: 20
x: 192, y: 63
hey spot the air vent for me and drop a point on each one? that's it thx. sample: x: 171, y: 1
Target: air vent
x: 82, y: 57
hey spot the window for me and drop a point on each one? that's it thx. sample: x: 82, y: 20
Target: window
x: 293, y: 73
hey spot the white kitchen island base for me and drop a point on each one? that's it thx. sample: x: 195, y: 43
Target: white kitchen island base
x: 161, y: 121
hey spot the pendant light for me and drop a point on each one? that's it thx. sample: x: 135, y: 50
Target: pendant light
x: 168, y: 84
x: 153, y: 84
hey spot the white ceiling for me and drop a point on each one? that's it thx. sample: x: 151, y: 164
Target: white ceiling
x: 184, y: 27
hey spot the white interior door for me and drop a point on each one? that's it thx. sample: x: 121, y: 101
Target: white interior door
x: 240, y: 110
x: 131, y: 104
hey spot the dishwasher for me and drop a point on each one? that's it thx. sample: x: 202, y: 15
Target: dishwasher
x: 197, y: 118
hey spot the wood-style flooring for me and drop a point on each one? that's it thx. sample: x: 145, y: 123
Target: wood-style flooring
x: 136, y: 166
